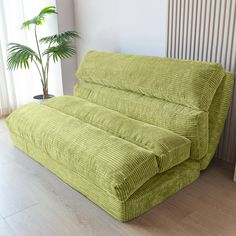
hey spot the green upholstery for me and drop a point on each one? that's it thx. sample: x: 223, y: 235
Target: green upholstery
x: 154, y: 191
x: 188, y: 83
x: 118, y: 162
x: 188, y: 122
x: 137, y: 130
x: 217, y: 115
x: 170, y: 149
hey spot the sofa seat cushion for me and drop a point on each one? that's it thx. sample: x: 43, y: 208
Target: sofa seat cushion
x: 154, y: 191
x: 170, y: 148
x: 85, y: 138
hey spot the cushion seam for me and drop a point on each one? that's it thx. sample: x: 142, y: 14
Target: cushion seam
x: 130, y: 91
x: 115, y: 134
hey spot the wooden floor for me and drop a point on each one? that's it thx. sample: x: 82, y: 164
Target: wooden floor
x: 35, y: 202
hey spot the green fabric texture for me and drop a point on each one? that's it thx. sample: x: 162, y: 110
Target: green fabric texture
x: 154, y: 191
x: 217, y: 116
x: 137, y: 130
x: 185, y: 121
x: 184, y: 82
x: 118, y: 163
x: 170, y: 149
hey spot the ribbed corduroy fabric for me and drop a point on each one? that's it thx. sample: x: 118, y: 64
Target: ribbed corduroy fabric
x: 137, y: 130
x: 154, y: 191
x: 185, y: 121
x: 118, y: 160
x: 170, y: 149
x: 217, y: 116
x: 184, y: 82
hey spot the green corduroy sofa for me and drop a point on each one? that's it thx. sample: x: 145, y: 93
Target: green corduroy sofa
x: 137, y: 130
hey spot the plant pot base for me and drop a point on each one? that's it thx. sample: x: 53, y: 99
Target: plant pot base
x: 40, y: 99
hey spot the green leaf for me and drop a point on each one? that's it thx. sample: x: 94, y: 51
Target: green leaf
x: 48, y: 10
x: 34, y: 21
x: 59, y: 38
x: 40, y: 18
x: 20, y: 56
x: 61, y: 51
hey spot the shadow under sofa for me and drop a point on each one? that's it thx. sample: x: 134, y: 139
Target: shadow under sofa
x: 137, y: 130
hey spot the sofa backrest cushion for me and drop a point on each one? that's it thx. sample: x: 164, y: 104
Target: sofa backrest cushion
x: 188, y: 83
x: 173, y: 94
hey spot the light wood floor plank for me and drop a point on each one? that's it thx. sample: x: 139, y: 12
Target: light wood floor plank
x: 235, y: 173
x: 5, y: 230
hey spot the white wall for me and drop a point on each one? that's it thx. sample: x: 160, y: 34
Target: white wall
x: 66, y: 21
x: 127, y: 26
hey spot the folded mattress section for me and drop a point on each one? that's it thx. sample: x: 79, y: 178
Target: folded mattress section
x: 154, y: 191
x: 116, y: 153
x: 185, y: 121
x: 190, y: 83
x: 170, y: 148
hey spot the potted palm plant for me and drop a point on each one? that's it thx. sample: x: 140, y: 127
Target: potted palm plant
x: 51, y: 48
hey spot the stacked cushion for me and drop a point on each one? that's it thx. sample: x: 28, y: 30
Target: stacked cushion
x: 188, y: 83
x: 116, y: 153
x: 185, y: 121
x: 137, y: 130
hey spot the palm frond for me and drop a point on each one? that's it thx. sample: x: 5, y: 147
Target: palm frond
x: 40, y: 18
x: 61, y: 37
x: 48, y: 10
x: 19, y: 56
x: 34, y: 21
x: 61, y: 51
